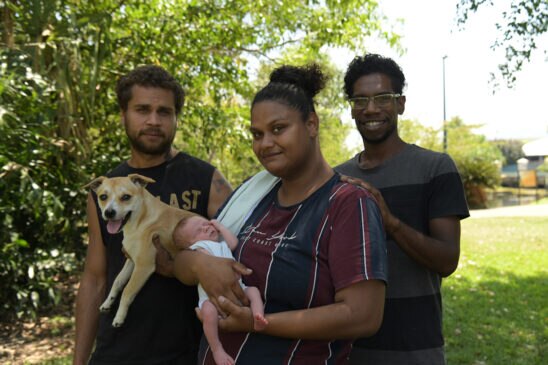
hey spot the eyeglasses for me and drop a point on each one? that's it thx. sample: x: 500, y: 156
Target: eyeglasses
x: 380, y: 101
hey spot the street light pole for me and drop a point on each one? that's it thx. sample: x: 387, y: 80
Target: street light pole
x: 444, y: 115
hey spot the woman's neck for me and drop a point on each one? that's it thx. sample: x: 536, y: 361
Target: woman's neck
x: 295, y: 190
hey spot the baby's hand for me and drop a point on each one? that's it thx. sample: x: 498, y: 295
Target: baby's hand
x: 215, y: 223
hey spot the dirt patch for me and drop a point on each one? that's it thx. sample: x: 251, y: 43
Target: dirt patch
x: 49, y: 336
x: 33, y: 343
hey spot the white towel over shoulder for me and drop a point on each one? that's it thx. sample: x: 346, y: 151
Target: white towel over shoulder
x: 245, y: 199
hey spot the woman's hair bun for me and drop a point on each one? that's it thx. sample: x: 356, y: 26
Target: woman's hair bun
x: 309, y: 78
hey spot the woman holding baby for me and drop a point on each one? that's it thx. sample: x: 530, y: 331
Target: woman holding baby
x: 315, y: 245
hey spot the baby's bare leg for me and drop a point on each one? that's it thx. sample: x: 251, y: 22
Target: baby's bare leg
x: 210, y: 318
x: 257, y: 307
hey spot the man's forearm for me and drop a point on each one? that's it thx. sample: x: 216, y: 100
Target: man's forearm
x: 87, y: 319
x: 184, y: 267
x: 437, y: 254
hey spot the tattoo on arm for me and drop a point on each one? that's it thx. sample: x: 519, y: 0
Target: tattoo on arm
x: 221, y: 185
x: 220, y: 190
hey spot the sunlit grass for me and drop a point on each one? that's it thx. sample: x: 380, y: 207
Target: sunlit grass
x: 67, y: 360
x: 496, y: 303
x: 542, y: 201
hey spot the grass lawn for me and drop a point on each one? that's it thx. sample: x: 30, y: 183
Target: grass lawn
x: 58, y: 361
x: 542, y: 201
x: 496, y: 303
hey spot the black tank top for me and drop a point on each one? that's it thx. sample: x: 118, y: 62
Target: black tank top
x: 161, y: 326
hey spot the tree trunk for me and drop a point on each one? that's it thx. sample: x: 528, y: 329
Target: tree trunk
x: 7, y: 19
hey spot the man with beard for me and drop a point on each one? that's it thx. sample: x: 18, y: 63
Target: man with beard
x: 161, y: 326
x: 422, y: 201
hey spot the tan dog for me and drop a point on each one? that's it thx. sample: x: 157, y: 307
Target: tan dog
x: 126, y: 205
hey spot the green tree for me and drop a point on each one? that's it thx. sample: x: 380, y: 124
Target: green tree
x: 38, y: 196
x: 510, y: 149
x: 475, y: 156
x: 477, y: 159
x: 59, y: 60
x: 523, y: 24
x: 412, y: 131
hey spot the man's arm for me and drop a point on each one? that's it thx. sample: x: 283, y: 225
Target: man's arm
x: 91, y: 290
x: 218, y: 193
x: 439, y: 252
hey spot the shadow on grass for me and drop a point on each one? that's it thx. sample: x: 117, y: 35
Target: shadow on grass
x: 500, y: 318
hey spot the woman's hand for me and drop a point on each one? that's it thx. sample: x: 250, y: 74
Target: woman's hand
x: 218, y: 276
x: 238, y: 318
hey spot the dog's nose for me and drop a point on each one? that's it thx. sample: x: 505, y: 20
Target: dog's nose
x: 110, y: 213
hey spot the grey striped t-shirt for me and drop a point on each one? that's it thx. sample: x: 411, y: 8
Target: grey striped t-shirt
x: 418, y: 185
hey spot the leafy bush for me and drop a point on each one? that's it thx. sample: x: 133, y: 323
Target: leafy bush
x: 477, y: 159
x: 40, y: 203
x: 32, y: 280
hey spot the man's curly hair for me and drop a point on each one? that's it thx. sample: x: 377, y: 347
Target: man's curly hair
x: 149, y: 76
x: 370, y: 64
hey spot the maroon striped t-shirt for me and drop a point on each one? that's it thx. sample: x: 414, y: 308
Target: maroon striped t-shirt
x: 300, y: 257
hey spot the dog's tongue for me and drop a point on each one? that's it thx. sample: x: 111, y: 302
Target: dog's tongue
x: 114, y: 226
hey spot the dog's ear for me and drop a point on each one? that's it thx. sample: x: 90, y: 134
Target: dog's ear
x: 94, y: 184
x: 140, y: 179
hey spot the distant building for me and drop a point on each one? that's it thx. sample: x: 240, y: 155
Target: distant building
x: 535, y: 153
x: 536, y: 150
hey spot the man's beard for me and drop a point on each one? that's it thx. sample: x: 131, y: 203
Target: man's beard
x: 380, y: 139
x: 155, y: 150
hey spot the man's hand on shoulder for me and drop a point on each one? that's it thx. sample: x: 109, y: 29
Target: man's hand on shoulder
x: 391, y: 223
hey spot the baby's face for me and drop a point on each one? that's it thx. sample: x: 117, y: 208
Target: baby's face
x: 198, y: 229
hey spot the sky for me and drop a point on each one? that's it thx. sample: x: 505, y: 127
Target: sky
x: 430, y: 32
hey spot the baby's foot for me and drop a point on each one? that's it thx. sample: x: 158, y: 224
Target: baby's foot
x: 259, y: 322
x: 222, y: 358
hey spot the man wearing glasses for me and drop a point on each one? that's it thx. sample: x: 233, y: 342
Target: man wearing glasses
x: 422, y: 201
